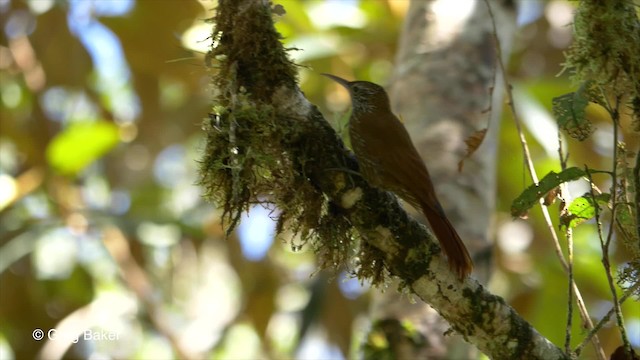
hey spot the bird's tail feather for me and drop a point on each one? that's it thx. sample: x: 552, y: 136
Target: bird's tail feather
x: 450, y: 242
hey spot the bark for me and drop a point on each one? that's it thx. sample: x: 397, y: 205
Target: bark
x: 265, y: 139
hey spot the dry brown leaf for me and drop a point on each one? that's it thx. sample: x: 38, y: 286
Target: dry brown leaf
x: 473, y: 143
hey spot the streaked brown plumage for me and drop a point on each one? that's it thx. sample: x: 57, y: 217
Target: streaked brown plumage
x: 389, y: 160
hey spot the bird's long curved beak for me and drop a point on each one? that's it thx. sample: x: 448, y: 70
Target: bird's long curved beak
x: 339, y: 80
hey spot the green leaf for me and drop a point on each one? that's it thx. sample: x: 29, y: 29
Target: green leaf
x: 582, y: 209
x: 80, y: 144
x: 569, y: 111
x: 529, y: 197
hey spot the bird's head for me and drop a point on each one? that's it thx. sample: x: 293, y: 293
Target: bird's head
x: 365, y: 96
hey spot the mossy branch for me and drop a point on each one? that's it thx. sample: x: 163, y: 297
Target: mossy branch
x: 267, y: 143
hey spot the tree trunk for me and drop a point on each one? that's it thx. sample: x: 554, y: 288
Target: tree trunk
x: 443, y: 86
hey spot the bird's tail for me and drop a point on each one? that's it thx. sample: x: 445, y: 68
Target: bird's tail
x: 459, y: 259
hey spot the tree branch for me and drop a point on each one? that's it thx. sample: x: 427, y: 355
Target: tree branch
x: 264, y: 139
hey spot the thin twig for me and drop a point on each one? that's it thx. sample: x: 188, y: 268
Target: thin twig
x: 567, y: 340
x: 545, y: 212
x: 564, y: 191
x: 615, y: 114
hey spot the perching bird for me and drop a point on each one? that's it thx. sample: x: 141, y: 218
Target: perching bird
x: 388, y: 160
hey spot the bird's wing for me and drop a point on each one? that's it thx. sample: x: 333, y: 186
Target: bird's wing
x: 409, y: 171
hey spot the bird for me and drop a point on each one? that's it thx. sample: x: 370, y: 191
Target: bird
x: 389, y: 160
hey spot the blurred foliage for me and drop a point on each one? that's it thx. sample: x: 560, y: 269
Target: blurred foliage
x: 102, y: 227
x: 79, y: 145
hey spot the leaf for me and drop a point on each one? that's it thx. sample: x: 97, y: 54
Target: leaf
x: 529, y: 197
x: 80, y: 144
x: 473, y: 143
x: 582, y: 209
x: 570, y: 109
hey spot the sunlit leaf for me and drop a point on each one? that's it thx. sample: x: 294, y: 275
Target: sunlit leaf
x: 81, y: 144
x: 583, y: 208
x: 534, y: 193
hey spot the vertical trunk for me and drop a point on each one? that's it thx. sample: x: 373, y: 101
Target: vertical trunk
x: 441, y: 88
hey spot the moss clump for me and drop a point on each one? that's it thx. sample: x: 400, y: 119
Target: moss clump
x: 607, y: 43
x: 257, y: 153
x: 249, y: 45
x: 605, y: 50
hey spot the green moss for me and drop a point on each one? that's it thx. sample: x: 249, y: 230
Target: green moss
x: 253, y: 153
x: 606, y: 46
